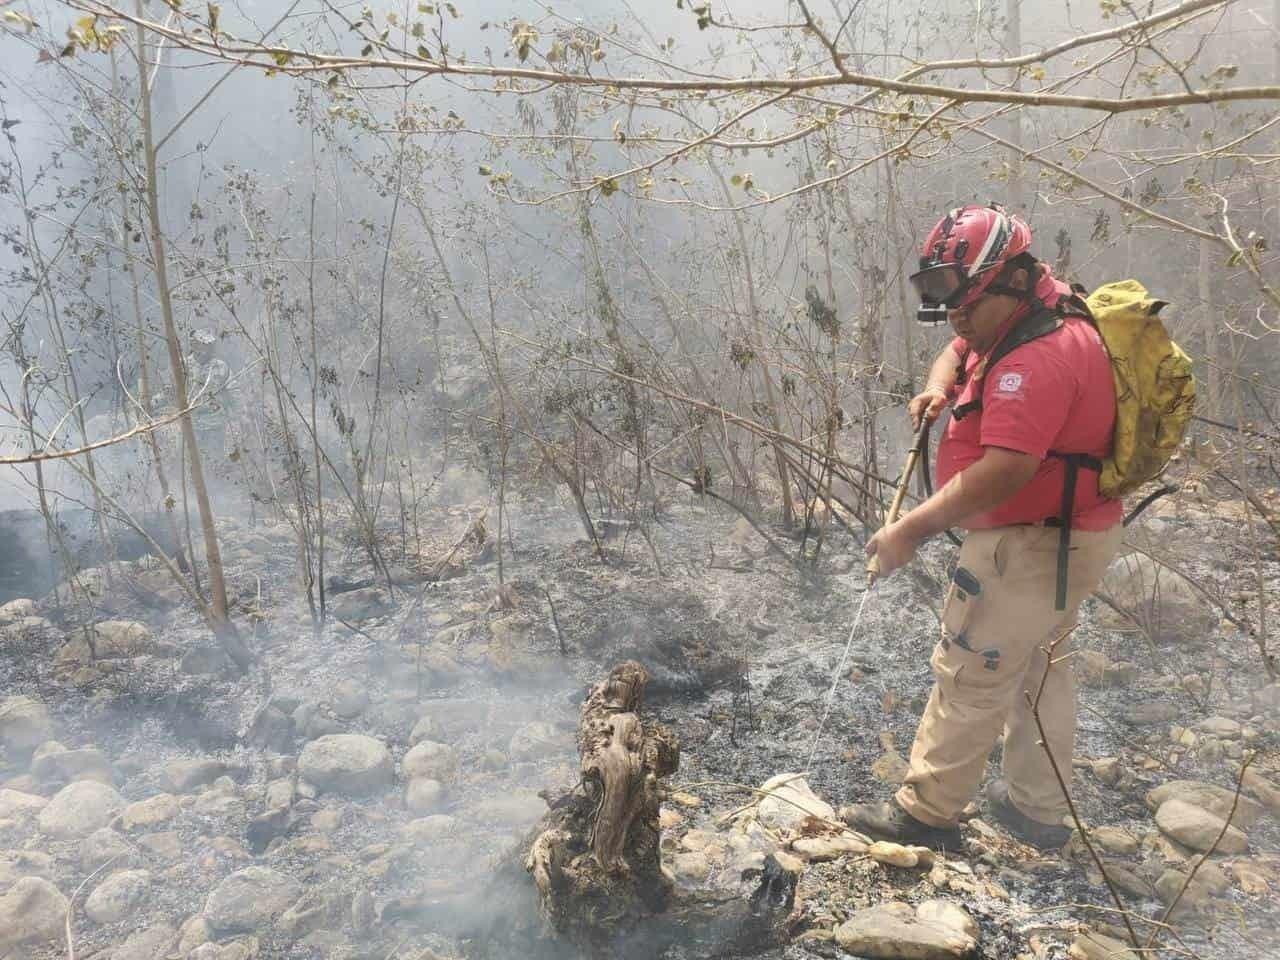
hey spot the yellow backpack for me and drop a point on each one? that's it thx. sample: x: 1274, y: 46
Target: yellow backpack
x: 1155, y: 388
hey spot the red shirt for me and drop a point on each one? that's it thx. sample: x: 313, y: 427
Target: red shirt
x: 1053, y: 393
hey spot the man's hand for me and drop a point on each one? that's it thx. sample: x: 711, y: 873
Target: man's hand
x: 928, y: 402
x: 894, y: 546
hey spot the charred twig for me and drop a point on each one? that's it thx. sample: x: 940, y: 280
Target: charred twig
x: 555, y: 622
x: 1034, y: 704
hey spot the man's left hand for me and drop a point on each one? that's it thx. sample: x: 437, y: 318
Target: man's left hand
x: 894, y: 546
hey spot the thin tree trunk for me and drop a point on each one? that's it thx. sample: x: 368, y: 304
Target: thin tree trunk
x: 219, y: 620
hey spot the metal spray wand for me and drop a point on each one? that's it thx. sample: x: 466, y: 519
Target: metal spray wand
x: 919, y: 448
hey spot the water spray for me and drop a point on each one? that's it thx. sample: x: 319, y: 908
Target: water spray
x: 919, y: 448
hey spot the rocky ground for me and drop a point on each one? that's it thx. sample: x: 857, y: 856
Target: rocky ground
x: 352, y: 796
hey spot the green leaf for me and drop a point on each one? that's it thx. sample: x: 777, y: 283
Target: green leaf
x: 423, y: 52
x: 736, y: 180
x: 608, y: 186
x: 485, y: 171
x: 366, y: 50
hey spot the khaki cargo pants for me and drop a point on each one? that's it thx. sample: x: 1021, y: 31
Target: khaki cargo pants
x: 991, y: 653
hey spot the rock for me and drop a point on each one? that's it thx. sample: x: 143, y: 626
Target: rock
x: 31, y: 912
x: 1109, y: 770
x: 183, y: 776
x: 690, y: 866
x: 104, y: 846
x: 1263, y: 789
x: 192, y: 934
x: 17, y: 610
x: 790, y: 800
x: 16, y: 864
x: 166, y: 846
x: 326, y: 821
x: 1217, y: 800
x: 249, y: 899
x: 24, y: 724
x: 153, y: 943
x: 349, y: 698
x: 347, y: 763
x: 945, y: 913
x: 151, y: 812
x: 280, y: 794
x: 272, y: 730
x: 1123, y: 876
x: 123, y: 638
x: 1166, y: 605
x: 80, y: 808
x: 513, y: 808
x: 1096, y: 946
x: 315, y: 910
x: 54, y: 763
x: 205, y: 660
x: 1096, y: 669
x: 311, y: 722
x: 536, y: 741
x: 356, y: 606
x: 1208, y: 883
x: 117, y: 896
x: 1267, y: 699
x: 451, y: 719
x: 16, y: 805
x: 1224, y: 728
x: 893, y: 931
x: 818, y: 849
x: 1114, y: 840
x: 893, y: 854
x: 1150, y: 713
x: 424, y: 795
x: 1255, y: 878
x: 1197, y: 828
x: 890, y: 767
x: 435, y: 761
x: 428, y: 830
x: 422, y: 730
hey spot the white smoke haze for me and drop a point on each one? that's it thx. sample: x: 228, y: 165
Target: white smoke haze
x: 495, y: 382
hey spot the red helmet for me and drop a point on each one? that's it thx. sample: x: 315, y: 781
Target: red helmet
x: 964, y: 252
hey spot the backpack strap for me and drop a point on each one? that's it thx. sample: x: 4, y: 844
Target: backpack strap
x: 1073, y: 463
x: 1043, y: 320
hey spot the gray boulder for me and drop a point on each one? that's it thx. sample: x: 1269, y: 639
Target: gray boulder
x: 24, y: 724
x: 32, y: 912
x: 1199, y: 829
x: 437, y: 761
x: 153, y: 943
x: 249, y: 899
x: 80, y: 808
x: 347, y: 763
x: 118, y: 896
x: 894, y: 931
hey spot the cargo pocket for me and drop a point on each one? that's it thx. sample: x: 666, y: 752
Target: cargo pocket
x: 969, y: 665
x: 963, y: 597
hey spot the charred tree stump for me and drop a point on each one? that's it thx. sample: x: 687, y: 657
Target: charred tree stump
x: 596, y: 861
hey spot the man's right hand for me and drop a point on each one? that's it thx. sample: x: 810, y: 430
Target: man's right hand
x: 929, y: 402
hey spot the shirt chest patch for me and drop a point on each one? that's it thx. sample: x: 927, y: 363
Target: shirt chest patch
x: 1010, y: 384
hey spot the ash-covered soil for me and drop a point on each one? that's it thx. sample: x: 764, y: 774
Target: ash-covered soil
x: 206, y: 834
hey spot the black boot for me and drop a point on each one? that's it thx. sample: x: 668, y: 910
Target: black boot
x: 888, y: 821
x: 1045, y: 836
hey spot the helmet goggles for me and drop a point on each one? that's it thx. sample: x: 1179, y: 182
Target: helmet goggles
x: 945, y: 285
